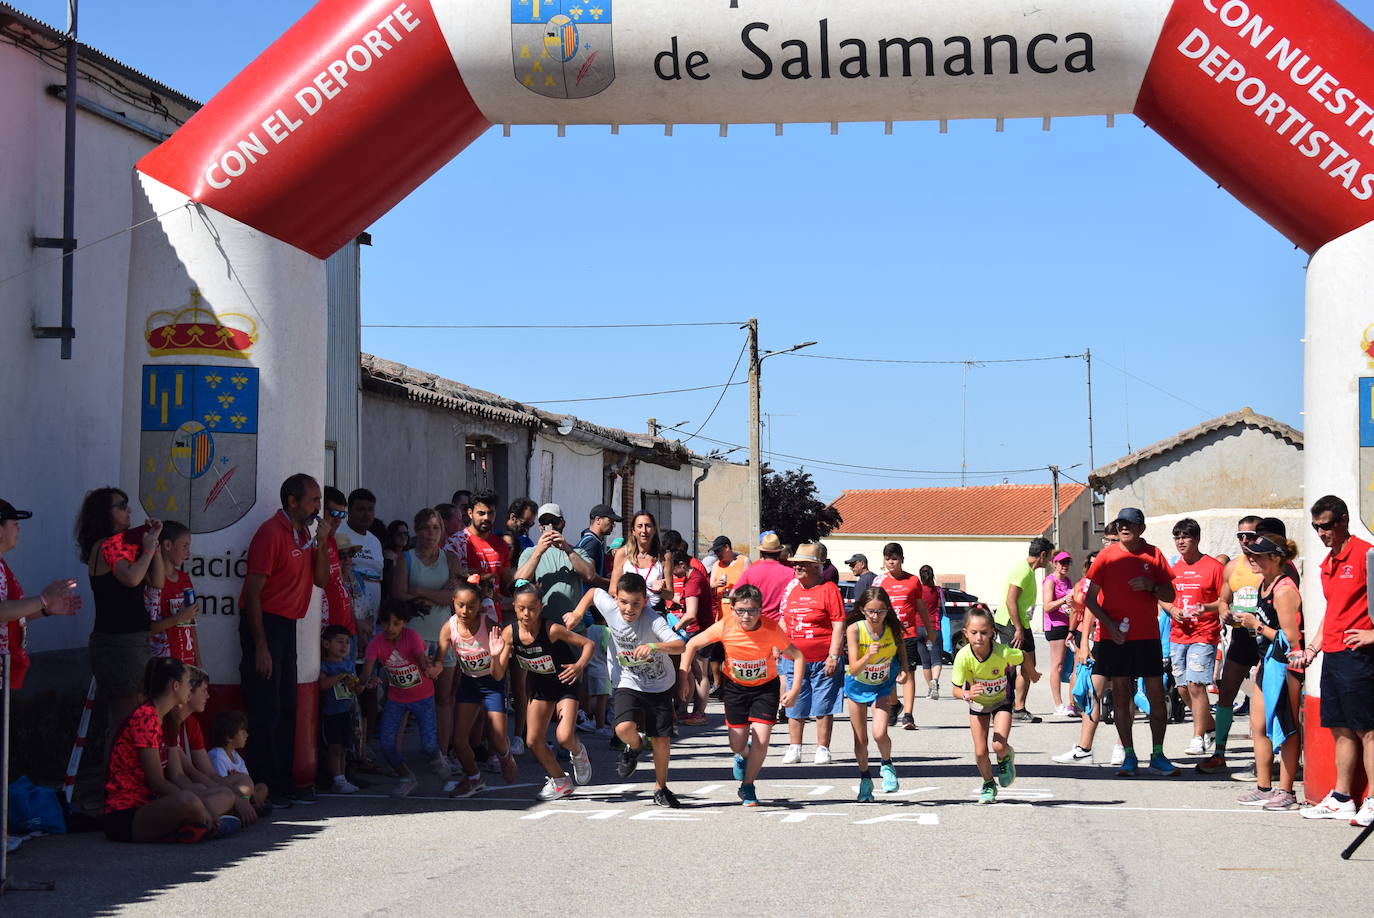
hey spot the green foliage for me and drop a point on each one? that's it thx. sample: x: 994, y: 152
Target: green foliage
x: 792, y: 510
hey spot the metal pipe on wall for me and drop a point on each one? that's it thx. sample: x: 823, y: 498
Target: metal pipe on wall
x: 69, y: 187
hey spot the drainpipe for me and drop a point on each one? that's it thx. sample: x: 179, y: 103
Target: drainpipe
x: 67, y: 243
x: 696, y: 506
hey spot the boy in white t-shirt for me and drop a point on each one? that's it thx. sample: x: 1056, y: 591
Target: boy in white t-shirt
x: 228, y: 735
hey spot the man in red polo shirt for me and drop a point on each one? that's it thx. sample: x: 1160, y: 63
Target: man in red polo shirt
x: 481, y: 552
x: 1347, y: 640
x: 276, y: 594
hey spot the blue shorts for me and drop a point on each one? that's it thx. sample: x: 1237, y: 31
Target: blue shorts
x: 820, y: 694
x: 484, y: 691
x: 1194, y: 663
x: 863, y: 693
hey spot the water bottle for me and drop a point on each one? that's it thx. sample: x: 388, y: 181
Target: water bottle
x: 1125, y: 625
x: 188, y: 597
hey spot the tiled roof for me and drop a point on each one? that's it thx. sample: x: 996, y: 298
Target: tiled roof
x: 1022, y: 510
x: 1102, y: 478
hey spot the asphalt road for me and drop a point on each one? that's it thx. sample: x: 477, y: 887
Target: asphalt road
x: 1065, y: 839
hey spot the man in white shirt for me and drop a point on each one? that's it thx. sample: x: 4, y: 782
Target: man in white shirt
x: 367, y: 563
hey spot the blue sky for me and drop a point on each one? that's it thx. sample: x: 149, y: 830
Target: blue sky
x: 971, y: 244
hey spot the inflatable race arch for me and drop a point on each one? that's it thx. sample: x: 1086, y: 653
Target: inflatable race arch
x: 362, y: 100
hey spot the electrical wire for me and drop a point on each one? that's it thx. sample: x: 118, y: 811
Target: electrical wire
x: 1146, y: 382
x: 128, y: 229
x: 628, y: 325
x: 609, y: 398
x: 935, y: 362
x: 723, y: 389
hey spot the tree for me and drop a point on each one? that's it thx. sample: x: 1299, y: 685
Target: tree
x: 792, y: 510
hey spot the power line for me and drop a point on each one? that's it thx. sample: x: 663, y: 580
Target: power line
x: 1158, y: 388
x: 723, y: 389
x: 969, y: 362
x: 627, y: 325
x: 608, y: 398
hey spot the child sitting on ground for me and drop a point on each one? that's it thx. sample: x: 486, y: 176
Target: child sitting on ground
x: 338, y: 689
x: 229, y: 735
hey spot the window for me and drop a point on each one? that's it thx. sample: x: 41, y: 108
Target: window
x: 1087, y: 531
x: 545, y: 477
x: 660, y: 504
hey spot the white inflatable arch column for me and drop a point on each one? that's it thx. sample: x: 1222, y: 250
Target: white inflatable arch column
x: 362, y: 100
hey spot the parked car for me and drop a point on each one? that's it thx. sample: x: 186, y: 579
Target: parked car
x: 957, y: 602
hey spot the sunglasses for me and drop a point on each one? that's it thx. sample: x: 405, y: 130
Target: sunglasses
x: 1324, y: 527
x: 338, y: 514
x: 1246, y: 536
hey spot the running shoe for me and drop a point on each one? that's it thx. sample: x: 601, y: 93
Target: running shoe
x: 492, y: 764
x: 1365, y: 816
x: 226, y: 826
x: 1160, y: 765
x: 466, y: 787
x: 517, y: 746
x: 1064, y: 710
x: 1209, y: 742
x: 989, y: 794
x: 1197, y: 747
x: 739, y: 767
x: 746, y: 795
x: 304, y: 796
x: 930, y: 691
x: 694, y: 720
x: 342, y: 785
x: 792, y: 756
x: 1074, y: 756
x: 1130, y: 766
x: 908, y: 723
x: 1255, y: 797
x: 1281, y: 800
x: 665, y: 797
x: 584, y: 723
x: 629, y: 760
x: 1025, y: 717
x: 279, y: 801
x: 865, y: 790
x: 556, y: 788
x: 889, y: 774
x: 508, y: 768
x: 1006, y: 769
x: 823, y: 756
x: 1331, y: 808
x: 405, y: 786
x: 714, y: 692
x: 442, y: 769
x: 1118, y: 754
x: 1212, y: 765
x: 934, y: 691
x: 582, y: 766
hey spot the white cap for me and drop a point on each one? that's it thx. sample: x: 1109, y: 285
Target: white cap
x: 549, y: 510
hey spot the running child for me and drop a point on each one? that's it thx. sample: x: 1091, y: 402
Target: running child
x: 338, y: 688
x: 751, y: 688
x: 985, y: 678
x: 410, y: 675
x: 877, y: 665
x: 475, y: 639
x: 644, y: 691
x: 553, y: 658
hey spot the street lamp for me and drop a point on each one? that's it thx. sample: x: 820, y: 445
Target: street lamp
x: 755, y: 435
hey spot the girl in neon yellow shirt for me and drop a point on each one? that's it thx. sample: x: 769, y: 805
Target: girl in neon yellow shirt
x: 985, y: 678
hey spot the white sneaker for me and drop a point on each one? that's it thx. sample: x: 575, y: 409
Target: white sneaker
x: 442, y: 769
x: 582, y: 766
x: 405, y: 786
x: 1065, y: 710
x: 1365, y: 817
x: 343, y: 786
x: 1118, y: 754
x: 1197, y: 747
x: 555, y: 788
x: 1209, y: 740
x: 792, y: 756
x: 1330, y: 808
x: 935, y: 691
x: 517, y: 746
x: 822, y: 755
x: 1074, y: 756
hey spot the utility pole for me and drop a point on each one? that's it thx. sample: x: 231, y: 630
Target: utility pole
x: 1054, y: 477
x: 1093, y: 502
x: 755, y: 450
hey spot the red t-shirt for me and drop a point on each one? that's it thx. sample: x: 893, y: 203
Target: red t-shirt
x: 771, y: 577
x: 809, y: 617
x: 125, y: 784
x: 1112, y: 572
x: 1345, y: 588
x: 178, y: 641
x: 337, y: 606
x: 931, y: 595
x: 14, y: 636
x: 696, y: 584
x: 286, y: 557
x: 487, y: 556
x: 904, y: 591
x: 406, y: 681
x: 1195, y: 585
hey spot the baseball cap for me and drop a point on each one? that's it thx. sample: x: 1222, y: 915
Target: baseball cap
x: 1063, y: 556
x: 7, y: 512
x: 721, y: 542
x: 1130, y: 515
x: 606, y: 511
x: 552, y: 510
x: 854, y: 559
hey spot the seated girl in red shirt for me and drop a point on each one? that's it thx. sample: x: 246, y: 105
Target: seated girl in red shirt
x: 141, y: 803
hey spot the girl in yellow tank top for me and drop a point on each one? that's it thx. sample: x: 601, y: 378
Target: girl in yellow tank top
x: 877, y: 663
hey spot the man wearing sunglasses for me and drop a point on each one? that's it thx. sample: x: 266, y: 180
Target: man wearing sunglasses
x: 1239, y: 596
x: 1347, y: 679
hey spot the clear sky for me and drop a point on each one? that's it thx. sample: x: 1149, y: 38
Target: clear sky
x: 968, y: 245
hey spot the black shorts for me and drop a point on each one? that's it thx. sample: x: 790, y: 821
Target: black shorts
x: 1057, y: 633
x: 1005, y: 633
x: 652, y: 712
x: 715, y: 653
x: 746, y: 704
x: 1243, y: 650
x: 336, y: 729
x: 1348, y: 690
x: 119, y: 824
x: 1010, y: 704
x: 1131, y: 660
x: 548, y: 688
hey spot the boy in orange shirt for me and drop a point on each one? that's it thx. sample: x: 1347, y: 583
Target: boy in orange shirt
x: 751, y: 687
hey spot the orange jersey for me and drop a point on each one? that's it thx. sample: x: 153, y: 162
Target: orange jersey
x: 748, y: 654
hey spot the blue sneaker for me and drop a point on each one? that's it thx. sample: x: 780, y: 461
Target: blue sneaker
x: 1130, y: 766
x: 739, y: 767
x: 1006, y: 769
x: 1160, y: 765
x: 226, y: 826
x: 865, y: 790
x: 747, y: 795
x: 889, y: 774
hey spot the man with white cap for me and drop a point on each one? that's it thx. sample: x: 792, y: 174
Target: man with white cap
x: 557, y: 569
